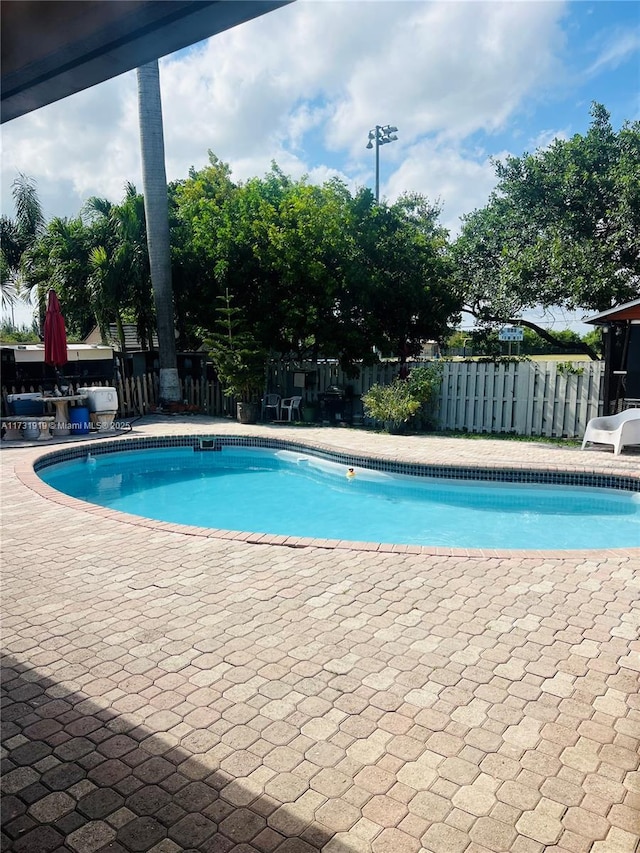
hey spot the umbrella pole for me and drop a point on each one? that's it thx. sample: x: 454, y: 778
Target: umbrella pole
x: 60, y: 379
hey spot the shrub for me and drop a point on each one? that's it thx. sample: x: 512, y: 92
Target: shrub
x: 392, y: 404
x: 405, y: 399
x: 424, y: 384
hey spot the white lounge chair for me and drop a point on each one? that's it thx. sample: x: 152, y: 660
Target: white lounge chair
x: 619, y: 430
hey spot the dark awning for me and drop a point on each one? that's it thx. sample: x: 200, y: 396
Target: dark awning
x: 53, y: 48
x: 621, y: 313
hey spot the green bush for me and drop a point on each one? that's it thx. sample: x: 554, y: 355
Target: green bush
x: 10, y: 334
x: 405, y: 400
x: 392, y: 404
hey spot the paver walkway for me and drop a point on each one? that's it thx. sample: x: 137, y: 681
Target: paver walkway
x: 170, y: 692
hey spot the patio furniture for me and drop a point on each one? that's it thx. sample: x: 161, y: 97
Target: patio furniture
x: 26, y: 418
x: 619, y: 430
x: 60, y: 425
x: 291, y: 405
x: 102, y: 403
x: 271, y: 403
x: 34, y: 427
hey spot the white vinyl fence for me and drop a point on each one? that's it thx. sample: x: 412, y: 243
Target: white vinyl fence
x: 542, y: 398
x: 526, y: 398
x: 538, y: 398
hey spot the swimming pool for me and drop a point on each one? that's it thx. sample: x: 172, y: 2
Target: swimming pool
x: 301, y: 494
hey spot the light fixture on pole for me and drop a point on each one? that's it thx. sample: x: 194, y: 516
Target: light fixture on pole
x: 380, y: 135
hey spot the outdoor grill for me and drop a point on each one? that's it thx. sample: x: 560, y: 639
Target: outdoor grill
x: 332, y: 404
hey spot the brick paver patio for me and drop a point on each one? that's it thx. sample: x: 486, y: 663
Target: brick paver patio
x: 170, y: 692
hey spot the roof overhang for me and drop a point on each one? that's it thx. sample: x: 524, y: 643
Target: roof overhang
x: 628, y: 312
x: 53, y: 48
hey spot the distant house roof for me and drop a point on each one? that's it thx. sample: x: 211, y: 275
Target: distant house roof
x: 131, y: 340
x: 628, y: 311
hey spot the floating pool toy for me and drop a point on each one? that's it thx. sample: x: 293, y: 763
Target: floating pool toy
x: 350, y: 473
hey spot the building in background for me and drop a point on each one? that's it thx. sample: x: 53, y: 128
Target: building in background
x: 621, y: 335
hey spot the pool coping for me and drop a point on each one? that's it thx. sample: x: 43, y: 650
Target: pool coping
x: 26, y: 471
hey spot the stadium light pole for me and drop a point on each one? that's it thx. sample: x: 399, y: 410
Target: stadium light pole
x: 380, y: 135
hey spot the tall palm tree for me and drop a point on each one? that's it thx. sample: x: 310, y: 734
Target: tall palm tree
x: 17, y: 236
x: 154, y: 183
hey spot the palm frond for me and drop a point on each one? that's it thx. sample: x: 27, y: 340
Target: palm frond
x: 29, y: 217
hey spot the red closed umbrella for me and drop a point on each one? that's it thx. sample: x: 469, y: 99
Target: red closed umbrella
x: 55, y: 334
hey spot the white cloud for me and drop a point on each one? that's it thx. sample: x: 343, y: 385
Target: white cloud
x: 451, y: 69
x: 84, y: 145
x: 617, y: 50
x: 545, y: 138
x: 303, y: 85
x: 461, y: 181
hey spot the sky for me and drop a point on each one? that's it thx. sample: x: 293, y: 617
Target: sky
x: 464, y: 81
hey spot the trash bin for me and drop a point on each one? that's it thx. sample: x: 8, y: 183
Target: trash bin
x: 79, y: 420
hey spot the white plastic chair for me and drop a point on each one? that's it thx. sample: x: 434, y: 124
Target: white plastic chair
x: 618, y: 430
x: 271, y: 403
x: 291, y: 405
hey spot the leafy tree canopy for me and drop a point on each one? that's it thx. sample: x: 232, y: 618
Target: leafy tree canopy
x: 562, y: 229
x: 321, y: 271
x: 316, y: 270
x: 17, y: 235
x: 98, y: 264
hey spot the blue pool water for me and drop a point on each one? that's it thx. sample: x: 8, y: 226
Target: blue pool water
x: 286, y: 492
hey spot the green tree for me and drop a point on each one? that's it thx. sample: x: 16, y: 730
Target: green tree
x: 593, y: 339
x: 17, y: 236
x: 304, y: 248
x: 316, y: 270
x: 404, y: 254
x: 237, y: 356
x: 119, y: 277
x: 60, y: 259
x: 98, y: 264
x: 201, y: 234
x: 10, y: 333
x: 561, y: 229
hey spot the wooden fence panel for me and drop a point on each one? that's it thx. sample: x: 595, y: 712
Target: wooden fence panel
x: 554, y: 388
x: 522, y: 388
x: 500, y: 378
x: 526, y: 398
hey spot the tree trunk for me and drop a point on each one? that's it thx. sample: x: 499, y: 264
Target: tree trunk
x: 156, y: 208
x: 120, y: 328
